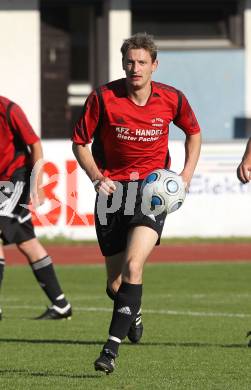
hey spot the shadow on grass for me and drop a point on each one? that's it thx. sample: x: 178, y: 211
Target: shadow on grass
x: 46, y: 374
x: 46, y: 341
x: 142, y: 344
x: 196, y: 345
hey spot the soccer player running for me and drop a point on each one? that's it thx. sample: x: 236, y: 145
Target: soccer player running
x: 20, y: 149
x: 128, y: 121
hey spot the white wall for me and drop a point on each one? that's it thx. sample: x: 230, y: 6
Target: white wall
x: 20, y: 55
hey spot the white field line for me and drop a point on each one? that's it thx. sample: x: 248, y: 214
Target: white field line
x: 148, y: 311
x: 208, y: 297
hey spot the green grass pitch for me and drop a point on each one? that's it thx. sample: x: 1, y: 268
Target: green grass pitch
x: 195, y: 316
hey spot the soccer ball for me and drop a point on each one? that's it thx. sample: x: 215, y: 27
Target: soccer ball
x: 162, y: 190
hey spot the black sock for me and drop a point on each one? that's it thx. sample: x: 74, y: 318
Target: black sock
x: 126, y: 306
x: 2, y: 264
x: 112, y: 345
x: 111, y: 294
x: 44, y: 272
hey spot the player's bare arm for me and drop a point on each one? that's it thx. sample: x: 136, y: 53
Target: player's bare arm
x: 37, y: 192
x: 86, y: 161
x: 192, y: 152
x: 244, y: 169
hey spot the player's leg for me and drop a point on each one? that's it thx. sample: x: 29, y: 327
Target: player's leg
x: 113, y: 243
x: 141, y: 241
x: 17, y: 228
x: 112, y: 238
x: 43, y: 269
x: 114, y: 266
x: 2, y: 264
x: 127, y: 302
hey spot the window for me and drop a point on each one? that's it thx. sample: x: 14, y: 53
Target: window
x: 182, y: 23
x: 79, y: 26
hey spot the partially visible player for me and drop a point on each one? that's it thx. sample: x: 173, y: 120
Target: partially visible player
x: 20, y: 149
x: 244, y: 169
x: 244, y: 175
x: 128, y: 120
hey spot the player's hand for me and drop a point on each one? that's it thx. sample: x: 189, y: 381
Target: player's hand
x: 244, y: 172
x: 105, y: 185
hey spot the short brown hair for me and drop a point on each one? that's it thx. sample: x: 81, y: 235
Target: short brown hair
x: 140, y: 41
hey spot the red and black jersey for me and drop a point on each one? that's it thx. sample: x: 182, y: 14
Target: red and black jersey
x: 15, y: 134
x: 128, y: 138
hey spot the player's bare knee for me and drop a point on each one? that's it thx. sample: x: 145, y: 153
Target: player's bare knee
x: 132, y: 272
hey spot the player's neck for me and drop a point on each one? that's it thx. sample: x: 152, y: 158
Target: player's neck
x: 139, y: 96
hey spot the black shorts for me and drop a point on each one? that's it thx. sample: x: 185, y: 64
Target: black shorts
x: 15, y: 217
x: 112, y: 228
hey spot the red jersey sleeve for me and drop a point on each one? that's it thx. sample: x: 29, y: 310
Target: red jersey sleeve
x: 185, y: 118
x: 22, y: 125
x: 87, y: 123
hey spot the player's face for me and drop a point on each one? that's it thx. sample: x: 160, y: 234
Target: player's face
x: 138, y: 67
